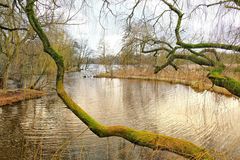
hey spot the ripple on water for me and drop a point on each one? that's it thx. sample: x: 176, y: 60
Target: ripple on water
x: 46, y: 128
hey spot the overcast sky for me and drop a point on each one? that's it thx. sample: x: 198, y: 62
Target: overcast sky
x: 91, y: 30
x: 206, y: 24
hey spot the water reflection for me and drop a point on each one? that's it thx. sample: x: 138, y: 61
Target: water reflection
x: 45, y: 128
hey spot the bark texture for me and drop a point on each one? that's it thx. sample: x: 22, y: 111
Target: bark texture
x: 142, y: 138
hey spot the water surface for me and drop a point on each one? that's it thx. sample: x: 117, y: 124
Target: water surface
x: 45, y: 128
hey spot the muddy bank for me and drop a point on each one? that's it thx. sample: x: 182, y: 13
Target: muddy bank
x: 194, y: 78
x: 14, y: 96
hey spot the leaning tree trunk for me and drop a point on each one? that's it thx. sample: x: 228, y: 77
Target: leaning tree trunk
x: 142, y: 138
x: 232, y: 85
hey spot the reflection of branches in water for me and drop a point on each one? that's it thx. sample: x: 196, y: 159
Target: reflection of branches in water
x: 65, y: 144
x: 131, y: 151
x: 38, y: 151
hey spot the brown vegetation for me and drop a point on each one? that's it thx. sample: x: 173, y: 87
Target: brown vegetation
x: 189, y: 75
x: 10, y: 97
x: 138, y: 137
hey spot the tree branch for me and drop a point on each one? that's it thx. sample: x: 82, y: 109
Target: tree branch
x: 194, y: 59
x: 12, y: 29
x: 232, y: 85
x: 198, y: 45
x: 142, y: 138
x: 232, y: 7
x: 4, y: 5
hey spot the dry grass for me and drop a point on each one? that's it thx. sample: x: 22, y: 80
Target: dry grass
x: 187, y: 75
x: 14, y: 96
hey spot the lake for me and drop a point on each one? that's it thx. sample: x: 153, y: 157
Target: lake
x: 45, y: 129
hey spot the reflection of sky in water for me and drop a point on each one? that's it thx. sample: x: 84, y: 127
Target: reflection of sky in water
x: 204, y: 118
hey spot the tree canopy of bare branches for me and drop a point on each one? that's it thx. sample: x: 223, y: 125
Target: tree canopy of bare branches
x: 195, y: 52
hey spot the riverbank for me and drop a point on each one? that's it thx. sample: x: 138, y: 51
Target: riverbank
x: 14, y: 96
x: 195, y: 78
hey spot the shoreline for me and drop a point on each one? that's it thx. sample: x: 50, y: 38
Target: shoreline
x: 195, y: 85
x: 14, y: 96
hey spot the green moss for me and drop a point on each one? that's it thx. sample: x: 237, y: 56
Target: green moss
x: 232, y: 85
x: 143, y: 138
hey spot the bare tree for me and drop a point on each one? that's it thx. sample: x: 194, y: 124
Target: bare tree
x: 142, y: 138
x: 105, y: 59
x: 138, y: 137
x: 83, y: 53
x: 170, y: 23
x: 16, y: 35
x: 13, y: 34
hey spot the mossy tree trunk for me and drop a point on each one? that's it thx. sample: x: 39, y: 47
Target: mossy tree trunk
x: 142, y: 138
x: 200, y: 58
x: 232, y: 85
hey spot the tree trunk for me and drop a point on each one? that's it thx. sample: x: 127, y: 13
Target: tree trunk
x: 142, y: 138
x: 4, y: 77
x: 232, y: 85
x: 1, y: 83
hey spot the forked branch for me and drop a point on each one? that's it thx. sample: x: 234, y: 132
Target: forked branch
x: 142, y: 138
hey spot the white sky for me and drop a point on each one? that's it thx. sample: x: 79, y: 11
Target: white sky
x: 205, y: 24
x: 93, y: 31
